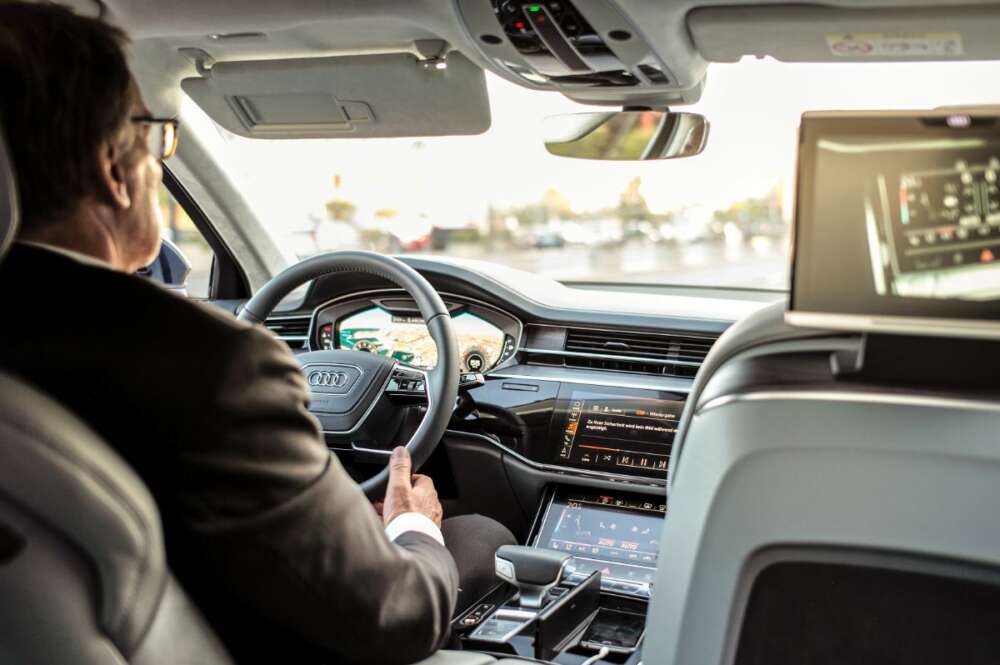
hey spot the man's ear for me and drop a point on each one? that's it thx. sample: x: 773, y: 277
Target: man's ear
x: 111, y: 167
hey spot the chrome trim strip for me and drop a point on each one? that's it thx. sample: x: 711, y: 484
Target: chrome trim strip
x: 604, y: 356
x: 906, y: 325
x: 376, y: 451
x: 890, y: 399
x: 608, y: 383
x: 288, y: 317
x: 694, y: 333
x: 581, y: 473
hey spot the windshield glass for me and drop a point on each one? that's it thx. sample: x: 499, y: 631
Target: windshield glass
x: 717, y: 219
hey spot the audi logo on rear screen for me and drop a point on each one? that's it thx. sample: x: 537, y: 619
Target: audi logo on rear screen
x: 328, y: 379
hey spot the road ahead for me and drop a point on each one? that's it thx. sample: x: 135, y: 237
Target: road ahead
x: 764, y: 264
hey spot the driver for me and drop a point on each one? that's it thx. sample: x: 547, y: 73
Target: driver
x: 279, y: 546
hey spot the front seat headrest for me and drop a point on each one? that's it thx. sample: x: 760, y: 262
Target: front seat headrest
x: 9, y: 211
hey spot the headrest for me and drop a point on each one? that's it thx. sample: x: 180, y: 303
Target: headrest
x: 9, y: 211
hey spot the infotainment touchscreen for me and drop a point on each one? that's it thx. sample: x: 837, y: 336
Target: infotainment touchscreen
x: 621, y: 431
x: 897, y: 223
x: 616, y: 533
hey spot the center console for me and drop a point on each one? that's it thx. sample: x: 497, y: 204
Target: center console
x: 580, y: 588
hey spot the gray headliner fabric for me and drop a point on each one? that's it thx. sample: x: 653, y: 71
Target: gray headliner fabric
x: 9, y: 213
x: 799, y: 33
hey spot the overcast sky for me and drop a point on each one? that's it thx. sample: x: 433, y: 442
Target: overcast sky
x: 753, y: 106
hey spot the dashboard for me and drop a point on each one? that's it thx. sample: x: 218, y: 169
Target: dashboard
x: 579, y: 385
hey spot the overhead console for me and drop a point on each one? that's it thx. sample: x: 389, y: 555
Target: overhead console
x: 586, y: 49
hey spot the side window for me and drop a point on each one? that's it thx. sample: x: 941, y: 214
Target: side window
x: 179, y: 230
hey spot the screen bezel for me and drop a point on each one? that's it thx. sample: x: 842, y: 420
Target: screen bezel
x: 824, y: 122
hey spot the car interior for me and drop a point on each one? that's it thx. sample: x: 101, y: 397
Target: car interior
x: 703, y: 461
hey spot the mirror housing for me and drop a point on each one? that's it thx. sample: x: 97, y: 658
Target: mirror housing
x: 626, y: 135
x: 170, y: 268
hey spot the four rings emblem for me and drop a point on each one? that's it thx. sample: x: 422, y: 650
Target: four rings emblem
x: 328, y: 379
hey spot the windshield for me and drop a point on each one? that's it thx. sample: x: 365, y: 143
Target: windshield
x: 718, y: 219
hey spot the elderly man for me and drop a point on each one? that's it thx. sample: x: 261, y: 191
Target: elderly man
x: 265, y: 528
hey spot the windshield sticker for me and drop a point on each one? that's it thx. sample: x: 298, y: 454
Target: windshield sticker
x: 889, y: 44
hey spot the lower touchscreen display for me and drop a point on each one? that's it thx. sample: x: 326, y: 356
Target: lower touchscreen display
x: 616, y: 534
x: 623, y: 433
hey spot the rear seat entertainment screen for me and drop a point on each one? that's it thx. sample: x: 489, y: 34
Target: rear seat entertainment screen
x: 897, y: 223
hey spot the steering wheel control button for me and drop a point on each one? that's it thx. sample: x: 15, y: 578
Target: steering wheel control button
x: 406, y: 382
x: 471, y: 380
x: 508, y: 348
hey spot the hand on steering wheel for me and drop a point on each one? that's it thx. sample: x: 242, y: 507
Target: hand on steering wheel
x: 356, y: 395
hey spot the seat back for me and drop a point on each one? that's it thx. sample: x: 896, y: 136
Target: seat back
x: 83, y: 576
x: 816, y: 520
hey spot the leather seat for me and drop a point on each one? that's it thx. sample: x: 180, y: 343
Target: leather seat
x: 808, y: 511
x: 83, y: 575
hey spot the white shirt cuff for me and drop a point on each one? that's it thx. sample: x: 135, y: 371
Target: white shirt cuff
x: 418, y: 522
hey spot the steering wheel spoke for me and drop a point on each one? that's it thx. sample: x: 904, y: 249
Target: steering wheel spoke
x: 407, y: 384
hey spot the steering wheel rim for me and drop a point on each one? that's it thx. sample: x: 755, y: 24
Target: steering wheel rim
x: 442, y: 380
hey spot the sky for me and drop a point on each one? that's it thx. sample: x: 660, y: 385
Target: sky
x: 753, y: 107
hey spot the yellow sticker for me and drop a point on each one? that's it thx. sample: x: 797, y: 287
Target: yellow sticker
x: 895, y: 44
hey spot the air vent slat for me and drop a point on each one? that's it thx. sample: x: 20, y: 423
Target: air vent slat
x: 293, y: 330
x: 665, y: 354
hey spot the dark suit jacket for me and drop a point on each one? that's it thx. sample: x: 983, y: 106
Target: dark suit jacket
x: 262, y: 523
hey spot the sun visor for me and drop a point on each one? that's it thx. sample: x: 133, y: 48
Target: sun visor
x: 393, y: 94
x: 828, y: 34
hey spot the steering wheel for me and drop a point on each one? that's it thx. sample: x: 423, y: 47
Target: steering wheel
x: 359, y: 397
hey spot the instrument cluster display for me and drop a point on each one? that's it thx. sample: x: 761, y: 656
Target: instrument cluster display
x: 405, y: 338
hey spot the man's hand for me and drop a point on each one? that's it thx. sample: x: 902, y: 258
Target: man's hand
x: 408, y: 492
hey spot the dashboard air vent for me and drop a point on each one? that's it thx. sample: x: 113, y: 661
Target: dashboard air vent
x: 668, y: 354
x: 293, y: 330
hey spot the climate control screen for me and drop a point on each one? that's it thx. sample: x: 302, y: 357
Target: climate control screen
x: 615, y: 533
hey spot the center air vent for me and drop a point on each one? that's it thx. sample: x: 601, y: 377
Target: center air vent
x: 293, y: 330
x: 667, y: 354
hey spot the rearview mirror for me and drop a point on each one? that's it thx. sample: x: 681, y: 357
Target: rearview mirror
x: 626, y: 135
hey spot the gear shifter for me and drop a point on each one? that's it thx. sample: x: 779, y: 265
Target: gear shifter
x: 533, y: 571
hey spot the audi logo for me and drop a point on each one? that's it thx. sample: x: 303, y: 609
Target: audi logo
x: 328, y: 379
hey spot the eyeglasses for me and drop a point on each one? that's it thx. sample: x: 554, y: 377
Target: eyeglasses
x: 162, y: 143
